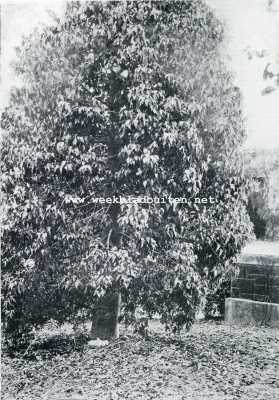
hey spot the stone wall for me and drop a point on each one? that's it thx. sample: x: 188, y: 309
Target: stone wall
x: 258, y: 279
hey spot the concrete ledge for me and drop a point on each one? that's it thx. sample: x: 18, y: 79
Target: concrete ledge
x: 261, y: 260
x: 249, y: 312
x: 262, y: 253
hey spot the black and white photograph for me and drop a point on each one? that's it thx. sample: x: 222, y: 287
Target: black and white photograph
x: 139, y: 199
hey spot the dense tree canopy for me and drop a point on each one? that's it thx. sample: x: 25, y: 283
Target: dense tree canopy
x: 118, y: 99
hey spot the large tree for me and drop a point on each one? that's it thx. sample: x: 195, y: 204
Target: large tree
x: 118, y: 99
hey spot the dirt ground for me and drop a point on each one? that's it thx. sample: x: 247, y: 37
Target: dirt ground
x: 211, y: 362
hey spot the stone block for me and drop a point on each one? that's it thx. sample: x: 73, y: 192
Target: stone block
x: 274, y: 297
x: 250, y: 312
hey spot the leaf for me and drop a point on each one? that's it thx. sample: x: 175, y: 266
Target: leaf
x: 267, y: 90
x: 125, y: 74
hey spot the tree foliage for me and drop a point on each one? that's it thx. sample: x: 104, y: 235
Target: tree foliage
x: 118, y: 99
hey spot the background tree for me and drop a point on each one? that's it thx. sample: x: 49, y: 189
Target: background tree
x: 120, y: 98
x: 262, y: 168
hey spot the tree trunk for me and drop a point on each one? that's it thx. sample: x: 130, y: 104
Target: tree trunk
x: 105, y: 319
x: 106, y: 314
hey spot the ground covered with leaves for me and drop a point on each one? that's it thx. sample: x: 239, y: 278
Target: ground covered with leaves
x: 213, y: 361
